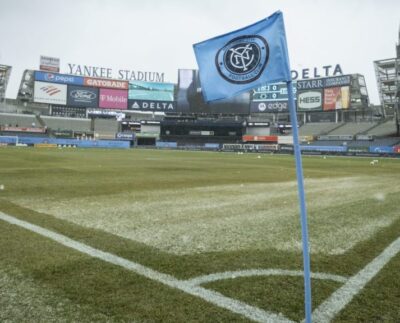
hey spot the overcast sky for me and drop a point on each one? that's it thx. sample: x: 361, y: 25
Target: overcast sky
x: 157, y: 35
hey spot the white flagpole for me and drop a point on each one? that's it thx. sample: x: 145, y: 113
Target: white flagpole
x: 302, y: 200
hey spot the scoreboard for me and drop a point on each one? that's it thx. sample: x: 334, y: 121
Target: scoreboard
x: 271, y: 98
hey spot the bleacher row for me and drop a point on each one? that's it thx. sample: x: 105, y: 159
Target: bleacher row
x: 105, y: 127
x: 378, y: 129
x: 383, y: 133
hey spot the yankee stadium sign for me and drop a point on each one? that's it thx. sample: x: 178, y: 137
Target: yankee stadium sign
x: 104, y: 72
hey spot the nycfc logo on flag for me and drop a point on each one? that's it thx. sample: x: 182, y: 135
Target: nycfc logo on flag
x: 243, y: 59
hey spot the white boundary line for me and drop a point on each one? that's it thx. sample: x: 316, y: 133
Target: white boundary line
x: 343, y: 296
x: 261, y: 272
x: 215, y: 298
x: 324, y: 313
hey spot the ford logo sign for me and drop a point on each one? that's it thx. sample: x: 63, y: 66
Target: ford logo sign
x: 82, y: 95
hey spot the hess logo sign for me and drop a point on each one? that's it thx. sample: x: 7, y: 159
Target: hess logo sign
x: 310, y: 100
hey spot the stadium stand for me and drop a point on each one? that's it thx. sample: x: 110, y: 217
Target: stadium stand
x: 17, y: 120
x: 318, y: 128
x: 14, y: 106
x: 106, y: 128
x: 359, y: 143
x: 387, y: 128
x: 74, y: 124
x: 352, y: 128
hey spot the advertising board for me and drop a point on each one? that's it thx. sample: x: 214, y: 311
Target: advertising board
x: 51, y: 64
x: 336, y: 81
x: 336, y: 98
x: 105, y: 83
x: 151, y: 96
x: 125, y: 136
x: 58, y: 78
x: 113, y: 99
x: 51, y: 93
x: 82, y: 96
x: 309, y: 100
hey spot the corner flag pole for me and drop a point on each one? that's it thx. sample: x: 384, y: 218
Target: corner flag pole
x: 302, y: 200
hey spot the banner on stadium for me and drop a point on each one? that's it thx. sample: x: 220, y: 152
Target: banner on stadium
x: 246, y: 138
x: 336, y: 98
x: 23, y: 129
x: 51, y: 93
x: 125, y: 136
x: 151, y: 96
x: 324, y: 148
x: 82, y: 96
x: 58, y: 78
x: 358, y: 150
x: 309, y: 100
x: 381, y: 149
x: 113, y: 99
x: 151, y: 91
x: 106, y: 83
x: 335, y: 81
x: 51, y: 64
x: 145, y: 105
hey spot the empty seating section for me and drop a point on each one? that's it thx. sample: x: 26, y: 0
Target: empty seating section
x: 74, y: 124
x: 317, y: 128
x: 384, y: 129
x: 106, y: 127
x: 20, y: 120
x: 353, y: 128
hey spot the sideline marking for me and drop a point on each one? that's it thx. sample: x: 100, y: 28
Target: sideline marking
x: 324, y: 313
x: 213, y: 297
x: 339, y: 299
x: 261, y: 272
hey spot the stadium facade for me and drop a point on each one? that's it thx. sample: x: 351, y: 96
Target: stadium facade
x: 388, y: 78
x: 334, y: 113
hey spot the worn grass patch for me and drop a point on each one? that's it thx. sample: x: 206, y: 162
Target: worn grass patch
x: 189, y: 214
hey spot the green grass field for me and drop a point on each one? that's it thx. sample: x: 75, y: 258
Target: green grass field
x: 188, y: 215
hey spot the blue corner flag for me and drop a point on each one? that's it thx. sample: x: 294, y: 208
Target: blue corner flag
x: 243, y: 60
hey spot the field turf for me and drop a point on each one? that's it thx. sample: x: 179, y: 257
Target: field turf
x: 189, y: 215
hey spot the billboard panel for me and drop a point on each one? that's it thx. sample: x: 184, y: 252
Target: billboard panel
x: 150, y: 96
x: 336, y: 98
x: 51, y: 93
x: 190, y: 99
x: 106, y: 83
x: 151, y: 91
x: 146, y: 105
x: 51, y: 64
x: 271, y: 98
x: 113, y: 99
x: 335, y: 81
x: 58, y: 78
x: 309, y: 100
x: 82, y: 96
